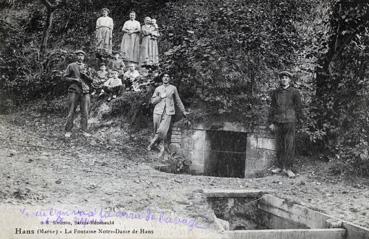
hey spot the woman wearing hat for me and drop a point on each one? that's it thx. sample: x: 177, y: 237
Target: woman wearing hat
x: 104, y: 32
x: 130, y: 46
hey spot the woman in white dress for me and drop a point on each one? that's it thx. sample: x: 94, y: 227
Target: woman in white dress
x: 130, y: 46
x: 104, y: 32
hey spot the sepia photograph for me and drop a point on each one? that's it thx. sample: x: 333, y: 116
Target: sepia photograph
x: 190, y: 119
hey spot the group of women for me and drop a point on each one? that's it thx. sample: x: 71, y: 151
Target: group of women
x: 139, y: 44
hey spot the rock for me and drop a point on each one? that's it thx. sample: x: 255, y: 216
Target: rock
x: 301, y: 183
x: 334, y: 223
x: 59, y: 181
x: 12, y: 153
x: 352, y: 209
x: 177, y: 181
x: 92, y: 187
x: 93, y: 143
x: 222, y: 224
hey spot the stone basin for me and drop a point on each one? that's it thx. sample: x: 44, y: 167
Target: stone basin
x: 253, y: 214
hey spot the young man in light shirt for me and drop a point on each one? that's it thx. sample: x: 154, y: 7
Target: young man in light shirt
x: 165, y: 97
x: 113, y: 86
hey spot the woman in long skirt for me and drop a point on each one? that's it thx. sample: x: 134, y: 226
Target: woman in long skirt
x: 130, y: 46
x: 145, y: 50
x: 154, y: 43
x: 104, y: 32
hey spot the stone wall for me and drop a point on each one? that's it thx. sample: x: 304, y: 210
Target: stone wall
x: 260, y: 152
x: 194, y: 144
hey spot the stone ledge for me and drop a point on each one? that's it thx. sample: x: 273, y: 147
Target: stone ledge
x: 229, y: 193
x: 287, y: 233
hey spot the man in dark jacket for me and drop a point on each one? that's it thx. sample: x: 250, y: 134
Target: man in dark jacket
x: 79, y: 93
x: 284, y: 113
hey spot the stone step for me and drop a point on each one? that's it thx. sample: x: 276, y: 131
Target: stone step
x: 336, y: 233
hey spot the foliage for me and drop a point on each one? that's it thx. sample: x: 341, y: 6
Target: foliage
x: 222, y: 54
x: 227, y: 53
x: 339, y: 109
x: 25, y: 74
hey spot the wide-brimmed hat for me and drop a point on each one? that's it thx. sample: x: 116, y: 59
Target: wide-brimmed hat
x: 285, y: 73
x: 80, y: 52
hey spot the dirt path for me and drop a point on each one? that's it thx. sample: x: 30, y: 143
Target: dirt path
x: 38, y: 167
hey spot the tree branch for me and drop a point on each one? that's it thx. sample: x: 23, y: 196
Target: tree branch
x: 53, y: 6
x: 47, y: 3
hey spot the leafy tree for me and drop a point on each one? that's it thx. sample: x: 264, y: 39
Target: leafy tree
x: 51, y: 7
x: 341, y: 101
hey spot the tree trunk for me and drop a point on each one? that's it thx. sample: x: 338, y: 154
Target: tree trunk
x: 47, y: 30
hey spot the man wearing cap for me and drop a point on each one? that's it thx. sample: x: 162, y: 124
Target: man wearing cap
x: 285, y: 111
x: 78, y: 92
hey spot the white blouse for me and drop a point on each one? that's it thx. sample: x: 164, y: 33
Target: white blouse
x: 113, y: 82
x: 104, y: 22
x: 132, y: 75
x: 132, y: 26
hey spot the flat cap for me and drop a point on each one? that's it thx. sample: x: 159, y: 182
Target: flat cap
x: 285, y: 73
x: 80, y: 52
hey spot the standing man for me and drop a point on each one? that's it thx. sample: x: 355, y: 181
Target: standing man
x: 284, y: 113
x: 165, y: 97
x: 78, y: 92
